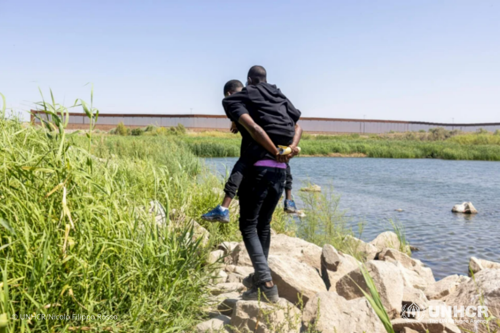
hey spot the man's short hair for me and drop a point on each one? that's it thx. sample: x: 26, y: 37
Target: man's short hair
x: 231, y: 86
x: 258, y: 74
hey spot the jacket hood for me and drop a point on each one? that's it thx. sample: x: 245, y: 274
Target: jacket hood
x: 265, y: 91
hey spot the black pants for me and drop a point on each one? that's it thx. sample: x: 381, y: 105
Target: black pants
x: 238, y: 172
x: 259, y: 194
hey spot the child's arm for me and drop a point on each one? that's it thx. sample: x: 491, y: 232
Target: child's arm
x: 296, y: 140
x: 233, y: 128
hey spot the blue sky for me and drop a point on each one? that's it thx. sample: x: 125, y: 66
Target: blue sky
x: 423, y: 60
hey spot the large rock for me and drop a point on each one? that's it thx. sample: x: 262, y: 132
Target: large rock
x: 156, y: 209
x: 476, y: 265
x: 385, y: 240
x: 482, y: 290
x: 407, y: 330
x: 238, y: 273
x: 445, y: 286
x: 419, y: 276
x: 227, y: 302
x: 215, y: 256
x: 222, y: 288
x: 335, y: 265
x: 389, y: 254
x: 388, y: 281
x: 329, y: 312
x: 430, y: 321
x: 356, y: 245
x: 219, y: 277
x: 311, y: 188
x: 213, y: 325
x: 199, y: 232
x: 179, y: 219
x: 465, y: 207
x: 295, y: 278
x: 415, y: 274
x: 227, y: 247
x: 283, y: 245
x: 260, y: 317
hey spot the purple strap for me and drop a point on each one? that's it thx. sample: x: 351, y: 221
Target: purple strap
x: 270, y: 164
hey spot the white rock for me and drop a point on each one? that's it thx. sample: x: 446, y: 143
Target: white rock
x: 283, y: 245
x: 356, y: 245
x: 336, y: 315
x: 220, y: 277
x: 312, y: 188
x: 418, y: 276
x: 388, y: 281
x: 156, y: 209
x: 335, y: 265
x: 213, y: 325
x: 229, y: 268
x: 227, y: 302
x: 234, y: 278
x: 445, y: 286
x: 293, y: 278
x: 465, y: 207
x: 227, y: 247
x: 386, y: 240
x: 476, y: 265
x: 408, y: 330
x: 215, y: 256
x: 389, y: 254
x: 483, y: 290
x: 222, y: 288
x: 252, y: 316
x: 243, y: 271
x: 199, y: 232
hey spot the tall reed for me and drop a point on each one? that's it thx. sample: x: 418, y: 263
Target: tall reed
x: 78, y: 248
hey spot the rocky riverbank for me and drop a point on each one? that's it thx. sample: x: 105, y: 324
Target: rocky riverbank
x: 323, y: 290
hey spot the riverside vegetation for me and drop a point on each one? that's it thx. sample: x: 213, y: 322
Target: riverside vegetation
x: 437, y: 143
x: 76, y: 238
x: 79, y: 246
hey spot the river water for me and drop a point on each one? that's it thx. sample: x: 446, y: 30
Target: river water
x: 372, y: 189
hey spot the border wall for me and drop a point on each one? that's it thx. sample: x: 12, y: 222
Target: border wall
x: 200, y: 122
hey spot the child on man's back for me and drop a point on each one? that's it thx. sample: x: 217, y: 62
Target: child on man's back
x: 221, y: 212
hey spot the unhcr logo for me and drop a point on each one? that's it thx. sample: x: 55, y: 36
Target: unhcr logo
x: 410, y: 311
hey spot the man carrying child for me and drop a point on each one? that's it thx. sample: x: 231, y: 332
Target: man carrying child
x: 221, y: 212
x: 265, y: 119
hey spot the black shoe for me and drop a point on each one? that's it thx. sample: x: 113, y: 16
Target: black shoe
x: 262, y: 293
x: 249, y: 281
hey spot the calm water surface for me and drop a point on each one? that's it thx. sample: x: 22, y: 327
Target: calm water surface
x: 372, y: 189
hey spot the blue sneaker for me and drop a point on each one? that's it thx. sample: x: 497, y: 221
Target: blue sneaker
x: 217, y: 215
x: 290, y: 206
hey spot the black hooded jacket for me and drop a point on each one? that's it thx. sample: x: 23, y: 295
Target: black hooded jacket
x: 270, y: 109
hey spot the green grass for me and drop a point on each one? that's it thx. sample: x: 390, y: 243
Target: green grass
x: 375, y: 301
x: 325, y: 222
x: 481, y: 146
x: 76, y: 238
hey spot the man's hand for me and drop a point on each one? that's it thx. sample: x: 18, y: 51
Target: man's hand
x: 233, y: 128
x: 295, y: 151
x: 282, y: 158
